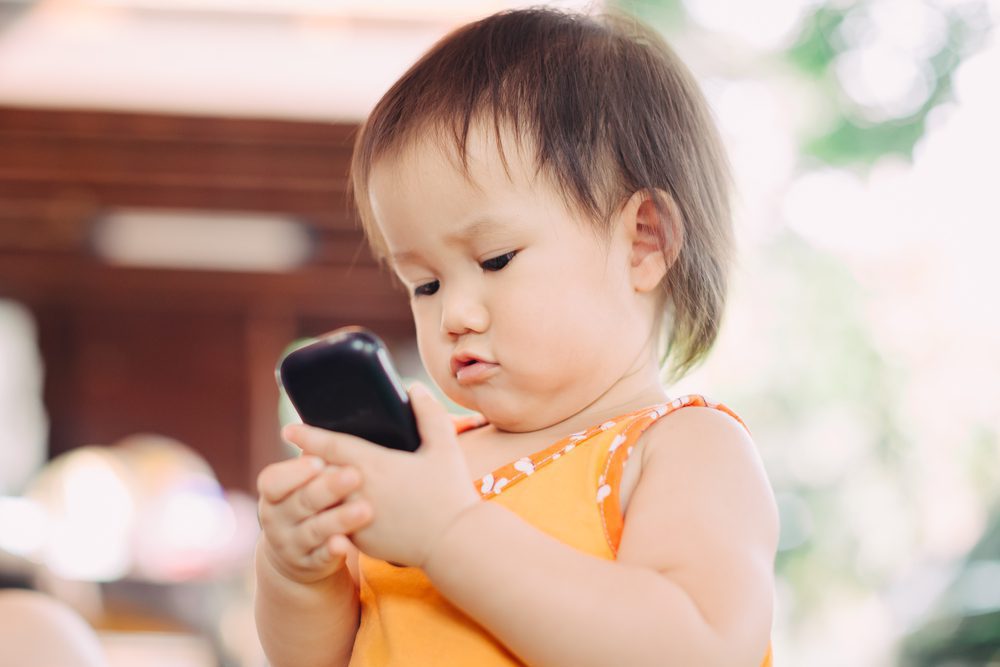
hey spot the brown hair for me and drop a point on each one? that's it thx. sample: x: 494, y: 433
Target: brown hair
x: 610, y: 110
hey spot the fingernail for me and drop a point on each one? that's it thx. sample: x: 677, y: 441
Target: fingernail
x: 315, y: 462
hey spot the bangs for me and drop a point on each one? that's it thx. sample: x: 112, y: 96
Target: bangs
x: 536, y: 79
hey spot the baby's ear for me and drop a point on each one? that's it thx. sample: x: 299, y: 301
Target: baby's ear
x: 654, y: 229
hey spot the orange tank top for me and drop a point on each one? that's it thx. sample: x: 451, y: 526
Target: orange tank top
x: 570, y: 490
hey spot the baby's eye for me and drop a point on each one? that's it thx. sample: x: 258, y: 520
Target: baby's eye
x: 426, y: 289
x: 498, y: 262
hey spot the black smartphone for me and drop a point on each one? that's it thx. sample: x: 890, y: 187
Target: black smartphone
x: 345, y: 382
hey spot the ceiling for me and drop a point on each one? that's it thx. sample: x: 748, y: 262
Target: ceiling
x: 283, y: 59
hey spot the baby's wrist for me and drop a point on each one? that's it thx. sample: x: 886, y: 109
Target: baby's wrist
x: 438, y: 548
x: 278, y: 571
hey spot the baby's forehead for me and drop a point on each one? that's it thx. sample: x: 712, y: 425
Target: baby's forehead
x: 432, y: 179
x: 484, y: 151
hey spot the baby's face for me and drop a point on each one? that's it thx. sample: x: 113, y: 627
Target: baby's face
x: 521, y: 311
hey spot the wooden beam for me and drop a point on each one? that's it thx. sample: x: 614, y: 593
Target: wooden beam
x: 359, y: 292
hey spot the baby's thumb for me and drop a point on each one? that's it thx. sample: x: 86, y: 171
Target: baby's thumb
x: 433, y: 422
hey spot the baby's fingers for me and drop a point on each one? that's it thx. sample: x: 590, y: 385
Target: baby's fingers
x: 325, y: 534
x: 332, y: 552
x: 278, y: 480
x: 316, y: 547
x: 324, y: 491
x: 340, y: 520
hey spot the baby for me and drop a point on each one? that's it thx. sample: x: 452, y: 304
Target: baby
x: 551, y: 191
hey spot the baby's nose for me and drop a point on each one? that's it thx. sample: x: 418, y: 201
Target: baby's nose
x: 463, y: 313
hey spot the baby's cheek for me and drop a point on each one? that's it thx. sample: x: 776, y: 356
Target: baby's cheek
x: 532, y: 305
x: 431, y: 352
x: 436, y: 362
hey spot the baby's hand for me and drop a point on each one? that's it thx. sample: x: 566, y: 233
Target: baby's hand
x: 306, y: 513
x: 414, y: 497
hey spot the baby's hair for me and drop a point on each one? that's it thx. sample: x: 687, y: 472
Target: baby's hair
x: 609, y: 110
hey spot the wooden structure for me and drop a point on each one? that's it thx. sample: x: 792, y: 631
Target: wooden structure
x: 189, y: 354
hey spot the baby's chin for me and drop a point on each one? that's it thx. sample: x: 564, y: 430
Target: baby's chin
x: 467, y: 400
x: 507, y: 420
x: 503, y: 416
x: 459, y: 398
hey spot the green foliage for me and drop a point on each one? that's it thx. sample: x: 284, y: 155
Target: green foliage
x: 661, y: 14
x: 851, y: 142
x: 853, y: 139
x: 970, y: 641
x: 815, y: 49
x: 958, y: 633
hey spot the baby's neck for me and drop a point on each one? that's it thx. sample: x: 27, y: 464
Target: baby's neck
x: 598, y: 412
x: 487, y: 448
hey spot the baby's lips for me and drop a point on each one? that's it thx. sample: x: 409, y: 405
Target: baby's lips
x: 460, y: 360
x: 475, y: 372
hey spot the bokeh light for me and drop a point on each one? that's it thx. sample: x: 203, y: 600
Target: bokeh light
x: 90, y: 509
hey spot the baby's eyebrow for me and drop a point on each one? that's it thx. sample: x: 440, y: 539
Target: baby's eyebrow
x: 402, y: 257
x: 478, y: 229
x: 475, y: 230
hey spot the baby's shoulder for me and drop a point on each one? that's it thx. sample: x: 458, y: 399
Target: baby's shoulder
x: 670, y: 431
x: 698, y: 465
x: 701, y: 430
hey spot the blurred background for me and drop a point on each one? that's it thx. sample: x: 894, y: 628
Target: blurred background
x: 173, y: 216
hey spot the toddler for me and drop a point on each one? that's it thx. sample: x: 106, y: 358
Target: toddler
x: 551, y: 191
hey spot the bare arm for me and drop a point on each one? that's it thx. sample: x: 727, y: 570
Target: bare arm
x: 305, y: 624
x: 692, y: 584
x: 306, y: 602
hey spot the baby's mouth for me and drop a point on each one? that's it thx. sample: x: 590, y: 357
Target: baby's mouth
x: 470, y: 370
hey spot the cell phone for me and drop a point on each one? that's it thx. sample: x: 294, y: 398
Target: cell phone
x: 345, y: 381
